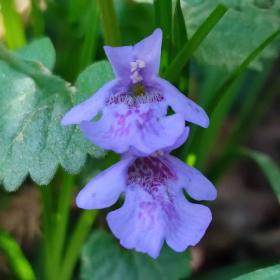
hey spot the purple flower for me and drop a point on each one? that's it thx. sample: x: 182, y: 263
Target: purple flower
x: 131, y: 111
x: 155, y: 208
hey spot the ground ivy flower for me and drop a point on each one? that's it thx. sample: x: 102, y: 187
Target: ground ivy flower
x: 155, y: 208
x: 133, y: 107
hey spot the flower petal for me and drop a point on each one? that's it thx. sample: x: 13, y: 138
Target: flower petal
x: 180, y: 141
x: 157, y: 134
x: 89, y: 108
x: 143, y: 132
x: 190, y: 227
x: 108, y: 134
x: 196, y: 185
x: 105, y: 189
x: 149, y: 50
x: 138, y: 223
x: 181, y: 104
x: 120, y: 59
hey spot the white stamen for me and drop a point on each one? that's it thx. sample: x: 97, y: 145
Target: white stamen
x: 136, y: 77
x: 133, y: 66
x: 140, y: 63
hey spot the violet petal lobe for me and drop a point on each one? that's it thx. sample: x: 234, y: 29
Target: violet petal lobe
x: 105, y: 189
x: 90, y: 107
x: 181, y: 104
x: 196, y: 184
x: 141, y: 131
x: 162, y: 133
x: 138, y: 223
x: 149, y: 51
x: 189, y: 226
x: 179, y: 142
x: 120, y: 59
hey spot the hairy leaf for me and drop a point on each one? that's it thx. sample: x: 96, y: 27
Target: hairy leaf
x: 241, y: 30
x: 118, y: 263
x: 32, y: 103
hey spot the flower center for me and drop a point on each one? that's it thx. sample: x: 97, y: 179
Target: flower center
x: 150, y: 173
x: 136, y: 77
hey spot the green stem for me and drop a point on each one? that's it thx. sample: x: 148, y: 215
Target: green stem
x: 14, y: 29
x: 109, y: 23
x: 74, y: 247
x: 61, y: 220
x: 18, y: 263
x: 91, y: 35
x: 48, y: 208
x: 37, y: 21
x: 173, y: 71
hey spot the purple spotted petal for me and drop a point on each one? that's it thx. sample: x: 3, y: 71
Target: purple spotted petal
x: 142, y: 131
x: 89, y: 108
x: 105, y: 189
x: 183, y: 105
x: 197, y: 186
x: 149, y: 50
x: 188, y: 227
x: 138, y: 223
x: 155, y: 210
x: 120, y: 59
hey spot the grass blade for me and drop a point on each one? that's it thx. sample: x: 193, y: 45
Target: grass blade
x: 19, y: 265
x: 183, y: 56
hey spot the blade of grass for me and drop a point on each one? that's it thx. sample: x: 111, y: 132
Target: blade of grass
x: 91, y: 35
x: 109, y: 23
x: 268, y: 166
x: 220, y: 104
x: 183, y: 56
x: 14, y: 30
x: 222, y: 91
x: 242, y: 130
x: 180, y: 36
x: 17, y: 262
x: 163, y: 16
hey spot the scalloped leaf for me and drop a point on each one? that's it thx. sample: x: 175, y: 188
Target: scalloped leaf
x: 119, y: 263
x: 32, y: 103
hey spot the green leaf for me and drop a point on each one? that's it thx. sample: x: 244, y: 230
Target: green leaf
x: 103, y: 258
x: 87, y: 83
x: 268, y: 273
x: 269, y: 168
x: 41, y: 50
x: 236, y: 35
x: 32, y: 140
x: 17, y: 262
